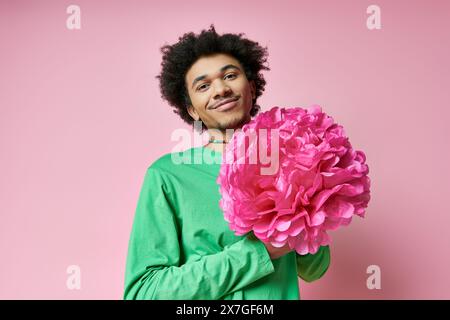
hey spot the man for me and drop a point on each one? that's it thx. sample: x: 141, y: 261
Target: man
x: 180, y: 245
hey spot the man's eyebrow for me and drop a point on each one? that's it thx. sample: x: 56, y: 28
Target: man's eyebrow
x: 228, y: 66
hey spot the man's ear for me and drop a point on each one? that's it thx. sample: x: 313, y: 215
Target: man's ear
x: 193, y: 113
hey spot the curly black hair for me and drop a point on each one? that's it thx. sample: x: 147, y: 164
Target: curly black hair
x: 179, y: 57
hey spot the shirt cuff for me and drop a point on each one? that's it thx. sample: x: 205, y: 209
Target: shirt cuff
x: 262, y: 255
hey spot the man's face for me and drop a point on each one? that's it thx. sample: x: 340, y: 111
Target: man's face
x: 214, y: 79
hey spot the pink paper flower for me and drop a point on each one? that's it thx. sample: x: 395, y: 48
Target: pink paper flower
x: 320, y: 182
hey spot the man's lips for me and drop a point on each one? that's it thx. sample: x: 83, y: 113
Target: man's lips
x: 224, y: 102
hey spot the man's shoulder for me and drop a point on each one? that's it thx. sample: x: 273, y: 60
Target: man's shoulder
x: 170, y: 162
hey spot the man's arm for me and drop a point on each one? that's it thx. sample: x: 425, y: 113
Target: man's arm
x: 311, y: 267
x: 153, y: 269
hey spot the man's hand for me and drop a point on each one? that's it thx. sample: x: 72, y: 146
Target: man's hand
x: 274, y: 252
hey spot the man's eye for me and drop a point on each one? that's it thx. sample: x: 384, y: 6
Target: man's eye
x: 231, y: 74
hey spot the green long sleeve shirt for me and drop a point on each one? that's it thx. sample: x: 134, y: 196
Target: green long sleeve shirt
x: 181, y: 247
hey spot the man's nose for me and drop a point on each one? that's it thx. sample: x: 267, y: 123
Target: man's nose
x: 221, y: 89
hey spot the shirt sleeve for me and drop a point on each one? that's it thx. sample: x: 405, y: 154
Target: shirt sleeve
x: 153, y: 269
x: 311, y: 267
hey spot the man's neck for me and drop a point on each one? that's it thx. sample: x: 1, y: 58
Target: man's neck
x: 218, y: 147
x: 218, y: 139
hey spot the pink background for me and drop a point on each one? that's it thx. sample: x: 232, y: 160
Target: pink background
x: 82, y: 119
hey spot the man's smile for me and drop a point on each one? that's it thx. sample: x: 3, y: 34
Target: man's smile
x: 223, y: 104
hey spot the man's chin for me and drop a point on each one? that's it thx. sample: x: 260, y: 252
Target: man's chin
x: 234, y: 123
